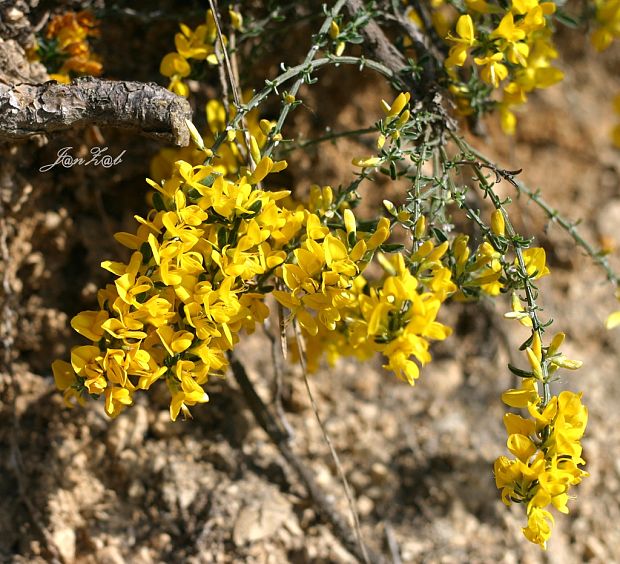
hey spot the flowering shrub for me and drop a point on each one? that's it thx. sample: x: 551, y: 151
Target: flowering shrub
x: 64, y: 47
x: 220, y: 250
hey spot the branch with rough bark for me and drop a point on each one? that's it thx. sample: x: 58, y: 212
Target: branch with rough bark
x: 384, y: 50
x: 30, y: 109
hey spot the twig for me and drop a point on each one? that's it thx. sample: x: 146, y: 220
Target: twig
x: 530, y: 294
x: 276, y: 359
x: 332, y: 450
x: 323, y: 506
x: 554, y: 215
x: 332, y: 136
x: 30, y: 109
x: 290, y: 74
x: 316, y: 45
x: 392, y: 543
x: 232, y: 79
x: 380, y: 46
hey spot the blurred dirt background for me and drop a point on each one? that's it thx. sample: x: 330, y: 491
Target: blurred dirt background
x: 141, y: 489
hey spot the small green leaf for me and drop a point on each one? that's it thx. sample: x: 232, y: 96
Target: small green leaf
x: 518, y: 372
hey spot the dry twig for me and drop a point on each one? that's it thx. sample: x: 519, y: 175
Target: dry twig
x: 30, y: 109
x: 321, y: 503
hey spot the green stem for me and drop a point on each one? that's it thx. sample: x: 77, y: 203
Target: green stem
x: 328, y: 137
x: 416, y: 187
x: 537, y: 326
x: 300, y: 80
x: 554, y: 215
x: 291, y: 73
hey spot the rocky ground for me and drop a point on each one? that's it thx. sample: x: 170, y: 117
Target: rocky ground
x: 142, y: 489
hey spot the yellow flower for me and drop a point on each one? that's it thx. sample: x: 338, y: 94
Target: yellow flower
x: 366, y: 162
x: 64, y: 376
x: 507, y: 30
x: 482, y: 6
x: 116, y: 398
x: 181, y: 399
x: 174, y: 64
x: 613, y: 320
x: 528, y: 393
x: 498, y: 223
x: 535, y: 262
x: 236, y: 19
x: 518, y: 312
x: 539, y: 525
x: 88, y: 324
x: 493, y: 70
x: 465, y: 39
x: 608, y: 18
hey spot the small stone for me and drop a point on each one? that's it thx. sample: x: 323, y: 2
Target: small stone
x: 136, y: 489
x: 65, y: 539
x: 365, y: 505
x: 13, y: 14
x: 378, y: 472
x: 162, y: 542
x: 261, y: 518
x: 52, y: 220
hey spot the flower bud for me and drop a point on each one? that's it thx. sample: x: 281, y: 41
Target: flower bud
x: 196, y: 137
x: 266, y: 126
x: 236, y: 19
x: 334, y: 30
x: 349, y: 221
x: 420, y: 227
x: 498, y: 225
x: 556, y: 343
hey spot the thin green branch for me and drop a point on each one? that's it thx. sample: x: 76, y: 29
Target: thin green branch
x: 290, y: 74
x: 532, y: 307
x: 294, y: 145
x: 317, y: 43
x: 554, y: 215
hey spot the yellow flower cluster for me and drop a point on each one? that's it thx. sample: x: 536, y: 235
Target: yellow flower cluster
x: 511, y: 48
x: 545, y: 445
x: 193, y: 282
x: 193, y: 44
x: 65, y: 49
x: 206, y: 255
x: 395, y: 315
x: 483, y: 269
x: 608, y: 23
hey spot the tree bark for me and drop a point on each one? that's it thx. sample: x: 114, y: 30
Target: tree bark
x: 29, y: 109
